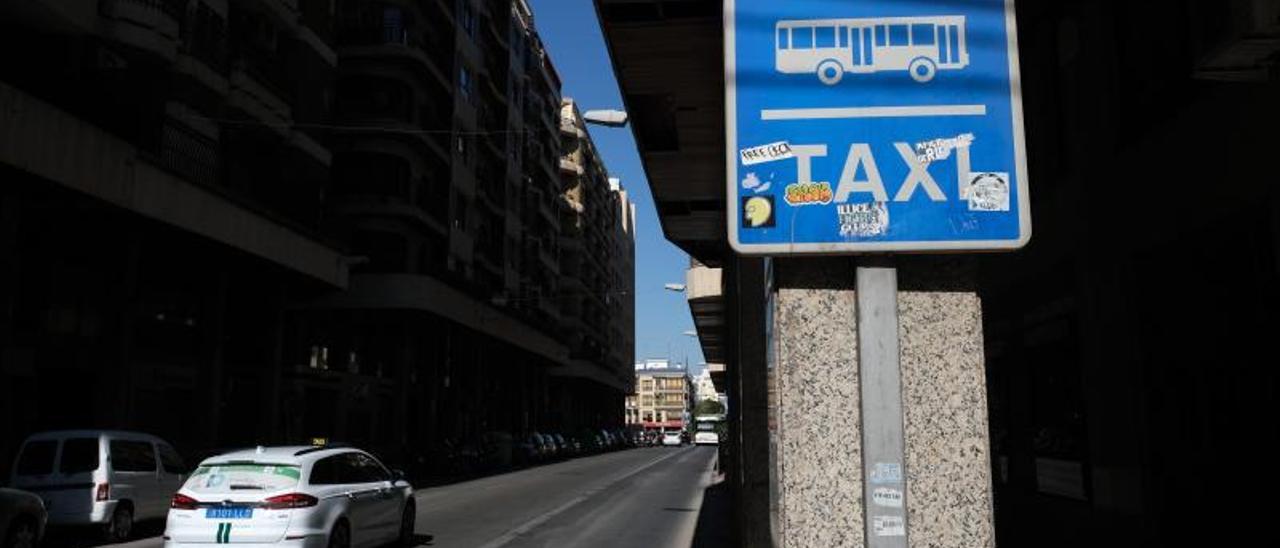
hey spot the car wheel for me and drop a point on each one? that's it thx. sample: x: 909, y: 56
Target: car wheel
x: 22, y: 535
x: 121, y: 525
x: 340, y: 537
x: 407, y: 525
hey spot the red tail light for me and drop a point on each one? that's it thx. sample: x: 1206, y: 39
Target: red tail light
x: 183, y: 502
x: 291, y: 500
x: 103, y: 492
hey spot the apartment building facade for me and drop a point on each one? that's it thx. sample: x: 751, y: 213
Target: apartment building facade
x: 345, y: 212
x: 597, y: 254
x: 663, y: 398
x: 163, y: 169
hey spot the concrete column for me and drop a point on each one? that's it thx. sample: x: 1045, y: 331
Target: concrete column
x: 819, y: 464
x: 751, y: 409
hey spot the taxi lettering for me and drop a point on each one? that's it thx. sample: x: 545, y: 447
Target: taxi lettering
x: 861, y: 173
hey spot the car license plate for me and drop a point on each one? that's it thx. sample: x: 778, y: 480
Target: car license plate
x: 231, y: 512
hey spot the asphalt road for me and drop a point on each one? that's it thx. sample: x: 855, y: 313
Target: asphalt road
x: 648, y: 497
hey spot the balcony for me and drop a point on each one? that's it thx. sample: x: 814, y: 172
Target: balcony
x: 571, y: 166
x: 568, y: 127
x: 204, y: 53
x: 283, y: 11
x: 547, y: 257
x: 492, y: 191
x: 461, y: 245
x: 190, y: 154
x: 547, y: 208
x: 149, y: 25
x: 392, y: 42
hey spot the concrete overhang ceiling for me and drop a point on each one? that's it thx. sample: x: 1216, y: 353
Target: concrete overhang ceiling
x: 668, y: 58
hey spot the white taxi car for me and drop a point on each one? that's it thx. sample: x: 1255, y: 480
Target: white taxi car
x: 328, y: 497
x: 672, y: 439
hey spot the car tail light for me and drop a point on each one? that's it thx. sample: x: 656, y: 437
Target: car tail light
x: 183, y: 502
x: 291, y: 500
x: 102, y: 493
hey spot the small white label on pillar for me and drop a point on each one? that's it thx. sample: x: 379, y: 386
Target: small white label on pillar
x: 889, y: 526
x: 885, y: 496
x: 886, y: 472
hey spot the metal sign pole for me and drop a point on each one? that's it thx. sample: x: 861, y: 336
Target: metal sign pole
x: 880, y: 377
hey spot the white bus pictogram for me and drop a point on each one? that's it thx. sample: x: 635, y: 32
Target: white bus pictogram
x: 831, y: 47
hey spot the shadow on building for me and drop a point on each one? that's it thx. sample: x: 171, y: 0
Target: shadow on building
x: 265, y: 222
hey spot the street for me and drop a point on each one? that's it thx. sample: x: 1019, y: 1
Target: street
x: 647, y: 497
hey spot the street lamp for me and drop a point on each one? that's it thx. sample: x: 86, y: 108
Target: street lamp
x: 607, y: 118
x: 678, y: 288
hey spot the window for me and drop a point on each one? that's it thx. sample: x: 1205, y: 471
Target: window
x: 375, y: 97
x: 387, y: 251
x: 37, y: 458
x: 393, y: 27
x: 922, y: 35
x: 132, y: 456
x: 898, y: 35
x: 881, y: 31
x: 171, y: 460
x: 468, y: 18
x: 784, y: 38
x: 465, y: 82
x: 78, y: 455
x: 335, y: 470
x: 826, y: 37
x: 370, y: 469
x: 241, y: 476
x: 802, y: 38
x: 371, y: 173
x: 844, y: 36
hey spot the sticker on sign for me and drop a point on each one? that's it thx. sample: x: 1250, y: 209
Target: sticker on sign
x: 766, y: 153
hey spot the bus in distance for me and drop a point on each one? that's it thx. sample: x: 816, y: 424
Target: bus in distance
x: 921, y: 46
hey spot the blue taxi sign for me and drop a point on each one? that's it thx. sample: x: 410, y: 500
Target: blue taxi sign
x: 874, y: 126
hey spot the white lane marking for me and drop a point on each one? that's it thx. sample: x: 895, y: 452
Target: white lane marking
x: 531, y: 524
x: 872, y: 112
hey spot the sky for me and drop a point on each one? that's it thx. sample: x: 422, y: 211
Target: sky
x: 571, y: 32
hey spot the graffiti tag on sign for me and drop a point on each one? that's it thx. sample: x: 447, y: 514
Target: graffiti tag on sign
x: 940, y: 149
x: 801, y: 194
x: 863, y: 220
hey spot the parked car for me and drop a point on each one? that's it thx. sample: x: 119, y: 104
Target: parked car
x: 104, y: 478
x: 546, y: 448
x: 322, y: 496
x: 22, y: 519
x: 672, y: 438
x: 591, y: 441
x: 565, y: 449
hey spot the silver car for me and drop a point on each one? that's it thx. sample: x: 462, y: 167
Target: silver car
x: 22, y: 519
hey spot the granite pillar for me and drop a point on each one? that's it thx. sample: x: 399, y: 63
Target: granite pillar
x: 818, y: 465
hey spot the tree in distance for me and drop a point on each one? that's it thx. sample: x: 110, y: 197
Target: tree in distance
x: 708, y: 407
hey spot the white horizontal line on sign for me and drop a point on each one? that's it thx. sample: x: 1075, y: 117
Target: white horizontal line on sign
x: 872, y: 112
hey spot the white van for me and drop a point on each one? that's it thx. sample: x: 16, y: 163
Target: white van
x: 100, y: 477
